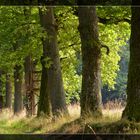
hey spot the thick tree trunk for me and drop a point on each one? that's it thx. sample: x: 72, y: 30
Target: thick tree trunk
x: 53, y: 71
x: 18, y: 101
x: 44, y: 99
x: 44, y: 106
x: 132, y: 110
x: 90, y: 97
x: 30, y: 97
x: 8, y: 92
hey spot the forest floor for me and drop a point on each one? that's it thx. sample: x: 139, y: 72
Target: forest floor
x: 109, y: 123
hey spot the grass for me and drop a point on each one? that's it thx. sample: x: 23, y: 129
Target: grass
x: 109, y: 123
x: 10, y: 124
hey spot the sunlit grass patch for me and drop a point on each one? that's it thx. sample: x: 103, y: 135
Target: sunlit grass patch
x: 49, y: 125
x: 21, y: 124
x: 110, y: 123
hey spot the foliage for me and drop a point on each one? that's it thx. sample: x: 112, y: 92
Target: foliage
x: 69, y: 45
x: 114, y: 35
x: 24, y: 31
x: 119, y: 92
x: 20, y: 36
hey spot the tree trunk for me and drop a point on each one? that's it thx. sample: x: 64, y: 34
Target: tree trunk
x: 30, y: 97
x: 132, y: 110
x: 29, y: 66
x: 8, y: 92
x: 90, y: 97
x: 44, y: 99
x: 53, y: 77
x: 1, y: 97
x: 44, y: 106
x: 18, y: 101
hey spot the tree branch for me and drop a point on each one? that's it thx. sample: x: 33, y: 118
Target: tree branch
x: 112, y: 21
x: 107, y: 49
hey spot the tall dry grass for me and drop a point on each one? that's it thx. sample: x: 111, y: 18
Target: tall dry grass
x: 21, y: 124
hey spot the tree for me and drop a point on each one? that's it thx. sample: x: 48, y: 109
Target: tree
x: 29, y: 68
x: 51, y: 81
x: 8, y: 91
x: 90, y: 97
x: 132, y: 110
x: 24, y: 31
x: 30, y: 96
x: 18, y: 99
x: 16, y: 26
x: 1, y: 97
x: 18, y: 95
x: 114, y: 30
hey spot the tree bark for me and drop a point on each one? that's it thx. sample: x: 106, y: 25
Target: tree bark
x: 132, y: 110
x: 30, y: 97
x: 18, y: 101
x: 53, y: 77
x: 1, y: 97
x: 29, y: 67
x: 8, y: 92
x: 44, y: 106
x: 44, y: 99
x: 90, y: 97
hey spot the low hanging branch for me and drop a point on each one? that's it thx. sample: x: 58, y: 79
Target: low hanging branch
x: 105, y: 20
x: 113, y: 21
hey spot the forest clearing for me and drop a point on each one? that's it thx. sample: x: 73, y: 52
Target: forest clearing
x: 70, y: 69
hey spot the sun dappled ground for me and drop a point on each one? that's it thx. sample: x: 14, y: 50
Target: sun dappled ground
x: 109, y: 123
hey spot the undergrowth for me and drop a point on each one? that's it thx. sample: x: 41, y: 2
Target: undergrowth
x: 110, y: 123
